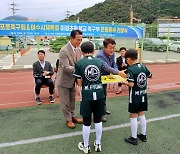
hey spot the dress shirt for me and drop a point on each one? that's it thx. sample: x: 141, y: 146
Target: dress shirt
x: 42, y: 64
x: 109, y: 65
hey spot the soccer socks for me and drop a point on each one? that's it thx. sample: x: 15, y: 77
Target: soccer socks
x: 134, y: 126
x: 86, y: 133
x: 143, y: 124
x: 98, y: 128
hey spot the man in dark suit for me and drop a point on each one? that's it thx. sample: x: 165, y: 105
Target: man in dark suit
x: 122, y: 65
x: 68, y: 55
x: 42, y: 72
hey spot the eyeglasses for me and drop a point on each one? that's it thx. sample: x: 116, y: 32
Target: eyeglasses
x: 111, y: 48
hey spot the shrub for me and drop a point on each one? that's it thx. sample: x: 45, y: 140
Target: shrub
x: 57, y: 44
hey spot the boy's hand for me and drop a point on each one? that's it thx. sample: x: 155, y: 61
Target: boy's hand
x: 124, y: 83
x: 129, y: 84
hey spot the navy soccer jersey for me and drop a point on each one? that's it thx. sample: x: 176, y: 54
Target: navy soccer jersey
x: 138, y: 74
x: 89, y: 70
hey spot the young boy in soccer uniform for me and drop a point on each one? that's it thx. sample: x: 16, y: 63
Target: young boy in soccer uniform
x: 137, y: 75
x: 88, y: 74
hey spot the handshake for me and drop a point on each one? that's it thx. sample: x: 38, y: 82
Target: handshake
x: 122, y: 74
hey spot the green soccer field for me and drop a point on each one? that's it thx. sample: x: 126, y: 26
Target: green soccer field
x: 42, y: 130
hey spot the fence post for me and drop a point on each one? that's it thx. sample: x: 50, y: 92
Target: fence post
x: 142, y: 51
x: 13, y: 58
x: 167, y: 49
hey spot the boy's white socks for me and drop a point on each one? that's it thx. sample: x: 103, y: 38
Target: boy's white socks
x: 98, y: 128
x: 86, y: 133
x: 142, y: 120
x: 134, y: 126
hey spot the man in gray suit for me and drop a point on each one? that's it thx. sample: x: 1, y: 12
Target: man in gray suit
x: 68, y: 56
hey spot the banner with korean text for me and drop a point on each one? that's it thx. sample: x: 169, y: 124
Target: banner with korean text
x: 18, y: 28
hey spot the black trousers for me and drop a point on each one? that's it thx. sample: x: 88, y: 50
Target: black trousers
x: 44, y: 81
x: 105, y: 92
x: 119, y: 84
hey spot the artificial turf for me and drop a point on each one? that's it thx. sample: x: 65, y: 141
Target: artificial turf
x: 47, y: 120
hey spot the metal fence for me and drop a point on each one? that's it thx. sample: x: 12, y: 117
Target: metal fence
x: 161, y: 43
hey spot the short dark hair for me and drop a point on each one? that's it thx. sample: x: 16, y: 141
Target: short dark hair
x: 132, y: 54
x: 122, y: 48
x: 108, y: 41
x: 75, y: 32
x: 41, y: 51
x: 87, y: 47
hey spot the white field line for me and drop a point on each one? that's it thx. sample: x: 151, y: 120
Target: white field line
x: 23, y: 91
x: 22, y: 102
x: 20, y: 77
x: 6, y: 67
x: 18, y: 103
x: 11, y: 84
x: 3, y: 62
x: 7, y: 56
x: 27, y: 66
x: 148, y: 61
x: 160, y: 60
x: 20, y: 91
x: 172, y: 59
x: 54, y: 137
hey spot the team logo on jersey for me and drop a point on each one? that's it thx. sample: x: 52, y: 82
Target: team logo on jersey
x: 141, y: 80
x: 92, y: 73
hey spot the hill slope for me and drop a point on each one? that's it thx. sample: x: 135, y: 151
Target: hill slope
x: 118, y: 10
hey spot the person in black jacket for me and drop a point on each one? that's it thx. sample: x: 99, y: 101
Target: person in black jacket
x: 122, y: 65
x: 42, y: 72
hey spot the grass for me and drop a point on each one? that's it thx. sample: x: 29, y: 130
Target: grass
x: 47, y: 120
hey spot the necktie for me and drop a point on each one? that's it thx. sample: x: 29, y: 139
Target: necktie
x: 75, y: 54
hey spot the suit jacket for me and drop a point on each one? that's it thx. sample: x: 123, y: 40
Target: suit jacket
x: 109, y: 65
x: 119, y: 62
x: 66, y: 66
x: 38, y: 70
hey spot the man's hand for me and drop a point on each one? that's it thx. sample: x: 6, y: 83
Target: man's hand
x: 45, y: 73
x: 79, y: 82
x: 122, y: 74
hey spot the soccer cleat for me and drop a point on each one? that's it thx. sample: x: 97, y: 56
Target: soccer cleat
x: 38, y: 101
x: 82, y: 148
x: 103, y: 119
x: 97, y: 147
x: 108, y: 112
x: 142, y: 137
x: 51, y: 99
x: 131, y: 140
